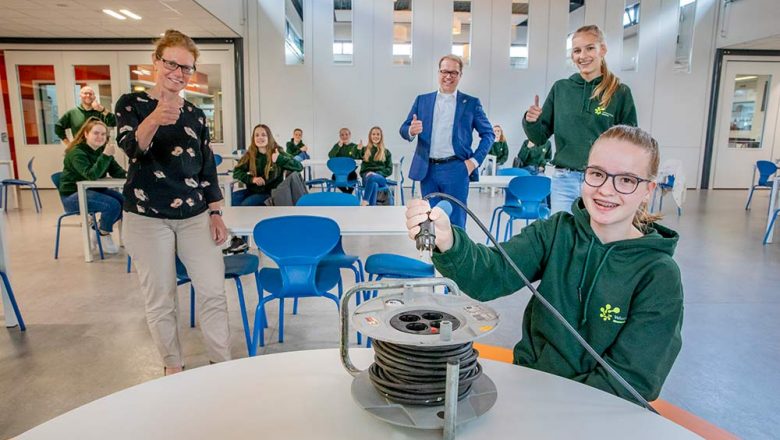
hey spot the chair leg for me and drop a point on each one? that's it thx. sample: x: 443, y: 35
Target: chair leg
x: 295, y: 305
x: 57, y: 240
x: 97, y: 236
x: 36, y: 198
x: 11, y: 298
x: 750, y: 197
x: 661, y: 202
x: 244, y: 319
x: 492, y: 222
x: 281, y: 318
x: 192, y: 306
x: 5, y: 197
x: 259, y: 286
x: 129, y: 263
x: 771, y: 225
x: 258, y: 334
x: 340, y: 287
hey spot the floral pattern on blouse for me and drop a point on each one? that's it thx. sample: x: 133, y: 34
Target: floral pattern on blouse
x: 176, y: 177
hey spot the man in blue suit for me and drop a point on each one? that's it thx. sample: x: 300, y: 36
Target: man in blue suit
x: 443, y: 122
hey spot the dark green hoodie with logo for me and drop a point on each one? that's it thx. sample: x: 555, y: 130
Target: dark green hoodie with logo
x: 625, y: 298
x: 576, y: 120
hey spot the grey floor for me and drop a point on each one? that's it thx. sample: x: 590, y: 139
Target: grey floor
x: 87, y: 336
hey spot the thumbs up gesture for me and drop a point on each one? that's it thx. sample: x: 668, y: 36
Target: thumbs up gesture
x: 416, y: 126
x: 534, y: 111
x: 167, y: 110
x: 360, y: 145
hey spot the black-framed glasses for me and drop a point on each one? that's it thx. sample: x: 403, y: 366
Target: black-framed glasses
x: 173, y: 65
x: 623, y: 183
x: 453, y: 73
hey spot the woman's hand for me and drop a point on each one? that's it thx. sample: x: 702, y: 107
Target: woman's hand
x: 167, y: 111
x: 218, y: 229
x: 275, y: 156
x: 259, y: 181
x: 534, y: 111
x: 417, y: 211
x: 110, y: 149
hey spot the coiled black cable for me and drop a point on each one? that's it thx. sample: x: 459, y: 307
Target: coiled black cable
x: 416, y: 375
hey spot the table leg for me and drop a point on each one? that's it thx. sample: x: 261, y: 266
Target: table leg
x: 397, y: 178
x: 82, y: 194
x: 227, y: 193
x: 772, y: 204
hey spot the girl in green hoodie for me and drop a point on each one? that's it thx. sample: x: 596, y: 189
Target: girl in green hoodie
x: 607, y: 268
x: 577, y: 110
x: 499, y: 148
x: 376, y: 167
x: 262, y: 168
x: 346, y: 148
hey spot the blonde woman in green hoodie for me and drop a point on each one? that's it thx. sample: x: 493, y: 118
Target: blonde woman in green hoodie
x: 607, y: 268
x: 577, y: 110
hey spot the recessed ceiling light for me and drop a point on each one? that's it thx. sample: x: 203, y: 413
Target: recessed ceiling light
x: 130, y: 14
x: 114, y: 14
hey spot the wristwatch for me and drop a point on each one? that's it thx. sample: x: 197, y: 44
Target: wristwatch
x: 215, y: 212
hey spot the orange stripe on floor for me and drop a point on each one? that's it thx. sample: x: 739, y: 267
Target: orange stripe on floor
x: 671, y: 412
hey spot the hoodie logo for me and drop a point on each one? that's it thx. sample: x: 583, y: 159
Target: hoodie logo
x: 609, y: 313
x: 601, y: 111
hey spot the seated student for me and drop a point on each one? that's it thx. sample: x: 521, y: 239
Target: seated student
x: 607, y: 267
x: 296, y: 148
x: 533, y: 157
x: 345, y: 148
x: 499, y: 148
x: 377, y: 165
x: 89, y: 157
x: 262, y: 169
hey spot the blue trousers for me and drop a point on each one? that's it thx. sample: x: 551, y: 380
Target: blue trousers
x: 243, y: 197
x: 105, y: 201
x: 566, y: 187
x: 371, y: 184
x: 450, y: 178
x: 300, y: 157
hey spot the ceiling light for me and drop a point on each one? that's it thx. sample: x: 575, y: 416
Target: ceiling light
x: 114, y: 14
x: 130, y: 14
x: 745, y: 78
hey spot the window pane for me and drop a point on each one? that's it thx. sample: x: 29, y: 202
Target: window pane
x: 204, y: 90
x: 748, y: 110
x: 402, y: 32
x: 518, y: 50
x: 630, y: 54
x: 682, y: 59
x: 576, y: 21
x: 293, y: 39
x: 461, y: 30
x: 38, y: 95
x: 342, y: 31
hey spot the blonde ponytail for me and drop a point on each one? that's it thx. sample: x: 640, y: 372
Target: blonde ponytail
x: 609, y: 82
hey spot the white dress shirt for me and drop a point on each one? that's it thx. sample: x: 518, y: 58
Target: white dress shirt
x: 443, y: 121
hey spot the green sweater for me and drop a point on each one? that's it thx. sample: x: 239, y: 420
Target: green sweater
x: 284, y: 162
x: 625, y: 298
x: 76, y: 117
x: 383, y: 167
x: 83, y: 162
x: 536, y: 156
x: 576, y: 120
x: 346, y: 150
x: 292, y: 149
x: 500, y: 150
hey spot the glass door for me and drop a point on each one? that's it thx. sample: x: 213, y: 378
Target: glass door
x: 747, y: 121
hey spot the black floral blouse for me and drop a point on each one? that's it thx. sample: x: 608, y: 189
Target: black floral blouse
x: 176, y: 177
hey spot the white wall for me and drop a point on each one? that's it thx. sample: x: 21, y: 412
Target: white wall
x: 320, y: 97
x: 229, y: 12
x: 744, y: 20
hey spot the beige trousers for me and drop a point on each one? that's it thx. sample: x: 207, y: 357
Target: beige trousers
x: 153, y: 243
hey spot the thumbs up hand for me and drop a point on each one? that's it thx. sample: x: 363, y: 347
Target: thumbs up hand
x: 167, y: 111
x: 533, y: 113
x: 416, y: 126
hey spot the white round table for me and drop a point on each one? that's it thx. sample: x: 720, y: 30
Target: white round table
x: 306, y: 395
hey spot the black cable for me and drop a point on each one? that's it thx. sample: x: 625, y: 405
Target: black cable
x: 415, y: 375
x: 547, y: 304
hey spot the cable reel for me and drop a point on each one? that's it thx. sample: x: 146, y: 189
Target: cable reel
x: 426, y: 374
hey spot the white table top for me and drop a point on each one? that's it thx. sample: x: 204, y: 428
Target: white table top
x: 306, y: 395
x: 353, y: 220
x: 492, y: 181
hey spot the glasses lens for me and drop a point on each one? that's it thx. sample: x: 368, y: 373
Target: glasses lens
x: 595, y: 177
x: 626, y: 183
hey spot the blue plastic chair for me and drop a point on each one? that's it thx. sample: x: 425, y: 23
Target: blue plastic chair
x: 512, y: 172
x: 18, y: 182
x: 531, y: 192
x: 766, y: 170
x: 218, y: 159
x: 55, y: 178
x: 298, y: 258
x: 12, y: 299
x: 665, y: 187
x: 341, y: 167
x: 509, y: 201
x: 236, y: 266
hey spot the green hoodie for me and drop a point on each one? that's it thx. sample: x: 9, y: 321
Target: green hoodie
x: 76, y: 117
x: 500, y: 150
x: 576, y: 120
x: 292, y: 149
x: 346, y: 150
x: 383, y: 167
x: 284, y: 162
x: 536, y: 156
x: 83, y: 162
x: 625, y: 298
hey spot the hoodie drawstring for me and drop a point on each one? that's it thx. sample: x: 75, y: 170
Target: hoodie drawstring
x: 584, y: 271
x: 593, y: 284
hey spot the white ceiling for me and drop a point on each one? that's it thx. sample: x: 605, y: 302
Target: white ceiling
x: 768, y: 43
x: 85, y: 19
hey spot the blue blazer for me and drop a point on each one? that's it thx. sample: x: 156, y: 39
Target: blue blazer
x: 469, y: 116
